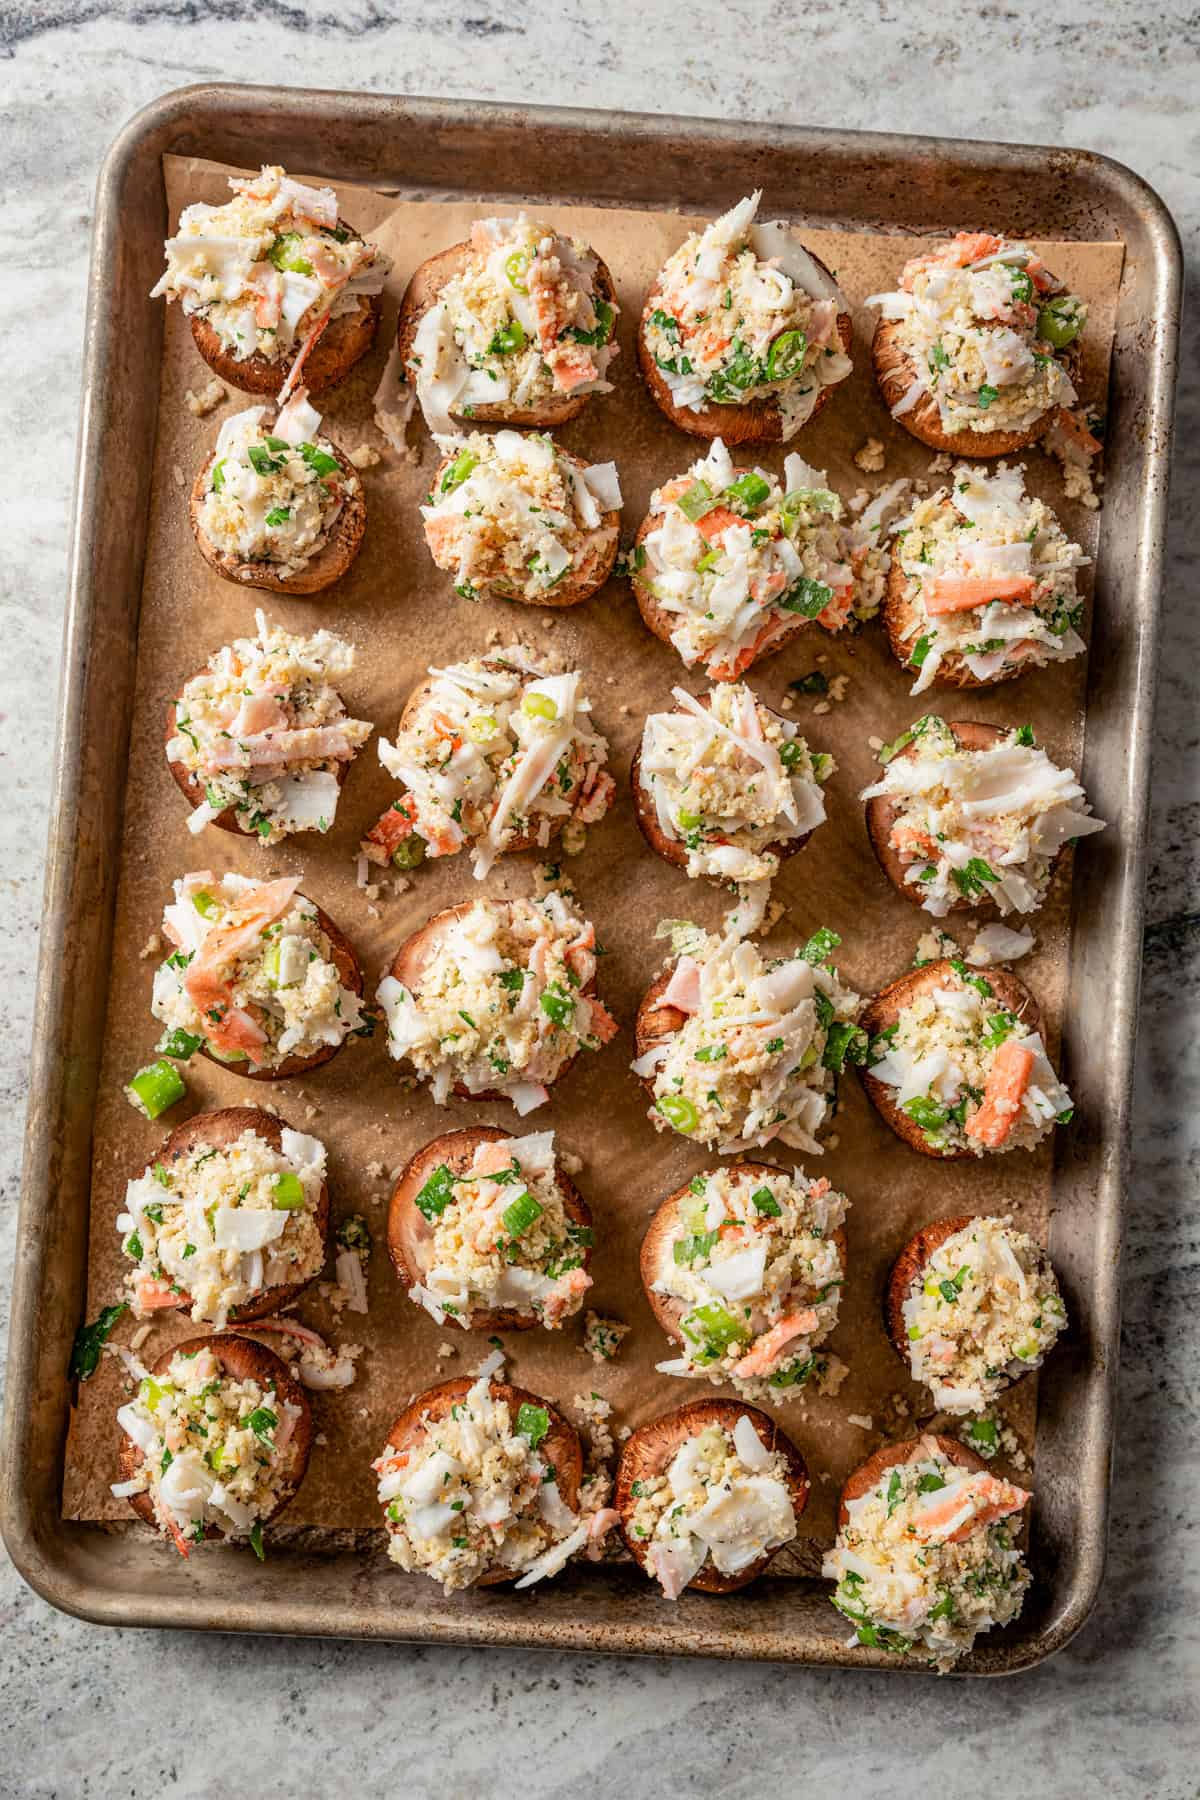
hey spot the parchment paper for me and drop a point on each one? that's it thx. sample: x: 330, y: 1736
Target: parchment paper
x: 402, y: 614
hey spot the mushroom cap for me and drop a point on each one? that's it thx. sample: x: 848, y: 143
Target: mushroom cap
x: 216, y: 1131
x: 651, y: 1449
x: 409, y: 1233
x: 241, y: 1359
x: 560, y: 1447
x: 424, y: 290
x: 884, y: 1009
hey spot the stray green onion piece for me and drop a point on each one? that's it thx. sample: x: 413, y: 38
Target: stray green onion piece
x: 155, y: 1088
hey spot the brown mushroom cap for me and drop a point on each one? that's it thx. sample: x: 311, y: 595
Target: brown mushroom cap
x: 192, y: 788
x: 424, y: 290
x: 882, y: 814
x: 754, y: 422
x: 241, y: 1359
x: 217, y: 1131
x: 884, y: 1009
x: 529, y: 839
x: 667, y: 1308
x: 344, y: 341
x: 419, y: 951
x: 409, y: 1233
x: 655, y: 1022
x: 320, y: 570
x: 560, y: 1447
x: 908, y: 1268
x: 895, y: 373
x: 651, y: 1450
x: 902, y: 619
x: 349, y: 974
x: 890, y: 1456
x: 673, y: 850
x: 599, y: 555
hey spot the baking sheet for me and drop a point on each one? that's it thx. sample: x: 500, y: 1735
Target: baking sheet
x: 402, y: 614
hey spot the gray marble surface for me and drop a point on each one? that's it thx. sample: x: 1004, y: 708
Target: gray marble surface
x: 86, y: 1713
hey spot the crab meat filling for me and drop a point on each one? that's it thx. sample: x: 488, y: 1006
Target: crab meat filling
x: 989, y: 578
x: 742, y: 313
x: 498, y: 753
x: 521, y: 327
x: 502, y: 1238
x: 501, y: 1006
x: 983, y: 323
x: 270, y: 267
x: 274, y: 492
x: 966, y: 1070
x: 264, y: 731
x: 985, y: 1310
x: 514, y: 515
x: 730, y: 781
x: 724, y: 1499
x: 215, y: 1449
x: 762, y: 1043
x: 252, y: 975
x: 222, y: 1226
x: 475, y: 1497
x: 754, y: 1264
x: 979, y: 825
x: 926, y: 1560
x: 737, y: 559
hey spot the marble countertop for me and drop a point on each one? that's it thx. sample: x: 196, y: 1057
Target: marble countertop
x: 90, y: 1713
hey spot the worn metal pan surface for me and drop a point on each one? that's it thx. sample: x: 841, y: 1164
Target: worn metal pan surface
x: 426, y: 149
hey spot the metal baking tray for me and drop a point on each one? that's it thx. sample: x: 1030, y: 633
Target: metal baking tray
x: 430, y: 149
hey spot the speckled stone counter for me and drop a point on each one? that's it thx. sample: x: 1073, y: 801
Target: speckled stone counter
x: 89, y: 1713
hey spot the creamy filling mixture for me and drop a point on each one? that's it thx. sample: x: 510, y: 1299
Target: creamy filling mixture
x: 983, y: 323
x: 986, y: 1309
x: 967, y: 1071
x: 502, y: 1237
x: 215, y: 1449
x: 741, y: 312
x: 498, y: 753
x: 724, y: 1498
x: 761, y: 1046
x: 731, y: 780
x: 252, y: 974
x: 222, y: 1226
x: 269, y: 268
x: 501, y: 1007
x: 513, y: 514
x: 737, y: 558
x: 475, y: 1496
x: 927, y: 1561
x: 264, y: 730
x: 274, y: 492
x: 522, y: 326
x: 753, y: 1261
x: 990, y: 579
x: 979, y: 825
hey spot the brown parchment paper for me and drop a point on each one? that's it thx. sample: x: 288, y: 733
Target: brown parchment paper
x: 402, y: 614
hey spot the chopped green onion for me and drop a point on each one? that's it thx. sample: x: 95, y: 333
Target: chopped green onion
x: 679, y: 1112
x: 179, y: 1044
x: 806, y: 596
x: 287, y: 1192
x: 319, y: 461
x: 155, y: 1088
x: 204, y: 903
x: 765, y: 1203
x: 750, y: 490
x: 539, y: 706
x: 507, y: 339
x: 409, y: 852
x: 821, y: 945
x: 459, y: 469
x: 697, y: 500
x: 515, y: 267
x: 786, y: 355
x: 523, y: 1213
x: 256, y: 1540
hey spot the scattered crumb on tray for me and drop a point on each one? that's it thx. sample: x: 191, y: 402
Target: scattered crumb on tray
x: 602, y: 1337
x: 364, y: 457
x: 864, y: 1421
x: 871, y: 457
x: 202, y: 403
x: 153, y: 946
